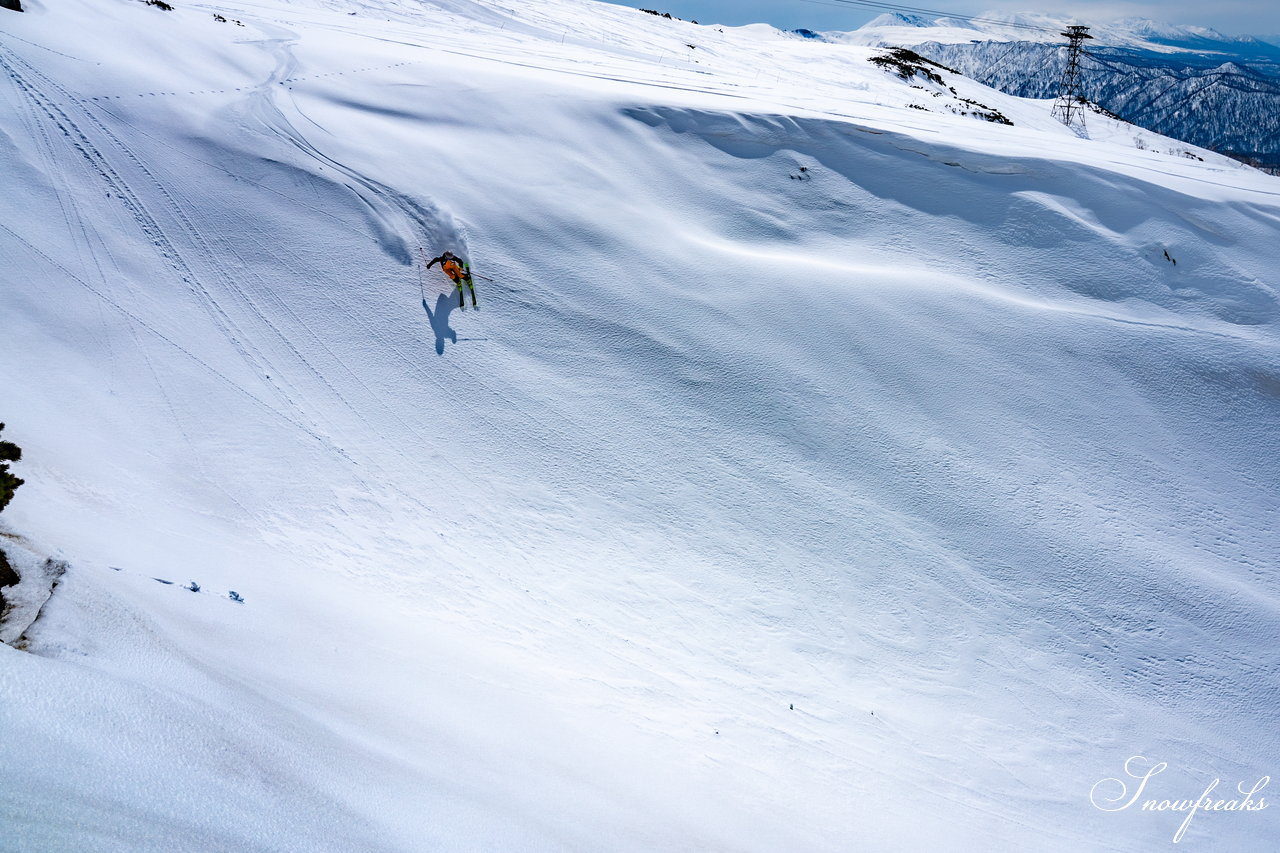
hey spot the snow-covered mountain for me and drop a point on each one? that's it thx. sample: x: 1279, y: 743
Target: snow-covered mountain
x: 828, y: 466
x: 1191, y: 83
x: 896, y: 28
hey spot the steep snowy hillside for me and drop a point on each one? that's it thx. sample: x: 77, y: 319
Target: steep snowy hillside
x: 825, y: 468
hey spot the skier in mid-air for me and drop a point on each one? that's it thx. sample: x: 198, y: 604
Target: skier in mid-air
x: 459, y: 272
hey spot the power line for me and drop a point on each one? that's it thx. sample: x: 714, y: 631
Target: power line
x: 916, y: 10
x: 990, y: 73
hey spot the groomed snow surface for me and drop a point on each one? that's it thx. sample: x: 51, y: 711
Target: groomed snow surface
x: 820, y: 472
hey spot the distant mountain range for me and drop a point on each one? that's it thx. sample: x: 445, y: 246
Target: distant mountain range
x: 1191, y: 83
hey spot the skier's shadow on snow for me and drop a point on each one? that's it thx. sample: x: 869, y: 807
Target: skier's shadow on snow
x: 440, y: 321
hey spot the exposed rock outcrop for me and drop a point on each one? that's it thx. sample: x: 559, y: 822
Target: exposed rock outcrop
x: 27, y: 581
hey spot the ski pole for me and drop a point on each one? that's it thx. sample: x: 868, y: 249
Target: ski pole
x: 422, y: 284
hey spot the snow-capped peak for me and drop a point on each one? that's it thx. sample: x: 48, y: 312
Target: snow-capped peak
x: 1139, y: 33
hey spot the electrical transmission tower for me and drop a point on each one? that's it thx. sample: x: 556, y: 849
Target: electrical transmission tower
x: 1069, y: 108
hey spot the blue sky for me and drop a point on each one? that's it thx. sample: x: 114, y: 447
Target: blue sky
x: 1233, y: 17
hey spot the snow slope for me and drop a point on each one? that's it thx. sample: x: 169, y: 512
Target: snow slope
x: 889, y: 504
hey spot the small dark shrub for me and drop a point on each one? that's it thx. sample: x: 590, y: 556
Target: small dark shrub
x: 9, y: 452
x: 8, y: 577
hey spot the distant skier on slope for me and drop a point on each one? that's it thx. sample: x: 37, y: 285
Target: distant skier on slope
x: 459, y: 272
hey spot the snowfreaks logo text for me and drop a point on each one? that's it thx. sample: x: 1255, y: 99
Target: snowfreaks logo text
x: 1115, y: 795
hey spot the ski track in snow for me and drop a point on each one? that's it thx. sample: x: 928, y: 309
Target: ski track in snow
x: 146, y: 221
